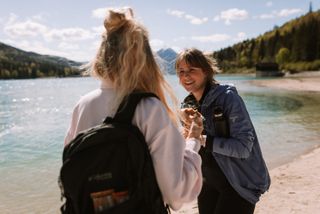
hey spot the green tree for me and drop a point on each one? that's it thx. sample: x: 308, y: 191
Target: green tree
x: 283, y: 56
x: 262, y: 50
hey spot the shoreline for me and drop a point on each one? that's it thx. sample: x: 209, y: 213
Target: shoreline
x: 295, y: 186
x: 304, y: 81
x: 294, y: 189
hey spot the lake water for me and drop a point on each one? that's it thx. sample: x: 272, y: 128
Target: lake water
x: 35, y: 114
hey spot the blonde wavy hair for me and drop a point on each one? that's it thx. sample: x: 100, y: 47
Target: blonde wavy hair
x: 125, y: 58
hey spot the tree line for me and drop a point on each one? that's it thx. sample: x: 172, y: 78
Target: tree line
x: 295, y: 46
x: 18, y: 64
x: 9, y: 70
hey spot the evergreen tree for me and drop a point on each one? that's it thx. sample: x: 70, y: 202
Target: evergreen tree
x: 262, y: 51
x: 283, y: 56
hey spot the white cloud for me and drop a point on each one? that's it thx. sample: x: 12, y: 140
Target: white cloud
x: 267, y: 16
x: 216, y: 18
x: 68, y: 46
x: 19, y: 44
x: 281, y: 13
x: 100, y: 12
x: 28, y: 28
x: 41, y: 48
x: 232, y: 14
x: 181, y: 38
x: 12, y: 18
x: 69, y: 34
x: 288, y: 12
x: 240, y: 36
x: 40, y: 17
x: 32, y: 35
x: 34, y: 46
x: 156, y: 44
x: 32, y: 29
x: 192, y: 19
x: 269, y: 4
x: 176, y: 13
x: 95, y: 45
x: 176, y: 48
x: 196, y: 21
x: 211, y: 38
x: 98, y: 30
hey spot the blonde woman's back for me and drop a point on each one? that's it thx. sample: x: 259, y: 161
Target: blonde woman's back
x: 175, y: 160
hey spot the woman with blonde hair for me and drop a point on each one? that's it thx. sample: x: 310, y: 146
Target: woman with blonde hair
x: 124, y: 64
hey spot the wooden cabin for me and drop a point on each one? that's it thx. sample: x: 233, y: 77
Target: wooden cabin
x: 268, y: 69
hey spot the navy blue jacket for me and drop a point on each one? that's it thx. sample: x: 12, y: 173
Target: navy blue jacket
x: 239, y: 156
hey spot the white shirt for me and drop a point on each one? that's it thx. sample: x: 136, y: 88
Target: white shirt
x: 176, y: 161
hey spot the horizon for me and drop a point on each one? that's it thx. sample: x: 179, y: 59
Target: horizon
x: 73, y: 31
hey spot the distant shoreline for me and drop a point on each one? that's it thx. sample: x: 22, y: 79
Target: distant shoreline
x: 303, y: 81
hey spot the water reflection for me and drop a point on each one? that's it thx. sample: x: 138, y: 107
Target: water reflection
x: 271, y: 104
x: 287, y: 123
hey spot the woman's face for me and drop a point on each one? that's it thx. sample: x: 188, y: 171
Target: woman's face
x: 193, y: 79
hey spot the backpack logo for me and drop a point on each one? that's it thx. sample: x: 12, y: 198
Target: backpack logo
x: 100, y: 177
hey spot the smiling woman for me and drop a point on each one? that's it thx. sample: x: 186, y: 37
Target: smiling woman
x: 193, y: 72
x: 234, y: 171
x: 191, y: 78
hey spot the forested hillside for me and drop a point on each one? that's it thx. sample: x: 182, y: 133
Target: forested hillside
x: 18, y: 64
x: 295, y: 46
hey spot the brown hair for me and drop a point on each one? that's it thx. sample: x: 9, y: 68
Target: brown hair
x: 196, y: 58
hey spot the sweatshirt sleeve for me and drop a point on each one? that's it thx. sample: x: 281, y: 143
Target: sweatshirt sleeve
x: 176, y: 161
x: 71, y: 133
x: 242, y: 134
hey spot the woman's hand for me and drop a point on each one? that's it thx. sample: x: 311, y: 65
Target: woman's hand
x: 192, y: 122
x: 189, y: 115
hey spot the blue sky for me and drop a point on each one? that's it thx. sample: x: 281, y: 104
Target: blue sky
x: 72, y: 29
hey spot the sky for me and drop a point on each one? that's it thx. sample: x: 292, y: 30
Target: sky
x: 73, y: 28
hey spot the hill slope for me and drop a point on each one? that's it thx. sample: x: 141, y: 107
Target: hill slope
x: 295, y: 46
x: 16, y: 63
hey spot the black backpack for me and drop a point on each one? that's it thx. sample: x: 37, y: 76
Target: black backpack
x: 108, y: 168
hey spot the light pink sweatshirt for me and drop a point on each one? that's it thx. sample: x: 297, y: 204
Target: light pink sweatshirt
x: 176, y: 161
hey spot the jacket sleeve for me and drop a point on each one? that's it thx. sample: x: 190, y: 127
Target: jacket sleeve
x: 176, y: 162
x: 242, y: 134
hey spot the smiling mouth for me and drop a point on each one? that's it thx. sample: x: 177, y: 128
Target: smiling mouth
x: 189, y: 83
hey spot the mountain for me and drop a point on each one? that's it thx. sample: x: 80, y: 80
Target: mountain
x: 16, y: 63
x: 295, y: 46
x: 167, y: 59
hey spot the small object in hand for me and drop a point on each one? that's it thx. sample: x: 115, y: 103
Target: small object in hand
x: 192, y: 122
x: 189, y: 115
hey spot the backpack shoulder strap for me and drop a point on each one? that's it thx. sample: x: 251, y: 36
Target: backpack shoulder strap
x: 127, y: 107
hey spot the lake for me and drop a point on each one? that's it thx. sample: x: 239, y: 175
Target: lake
x: 35, y: 114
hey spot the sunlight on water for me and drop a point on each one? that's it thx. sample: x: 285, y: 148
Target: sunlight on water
x: 35, y: 114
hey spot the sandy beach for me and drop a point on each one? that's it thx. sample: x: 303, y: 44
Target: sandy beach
x: 305, y: 81
x: 295, y: 186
